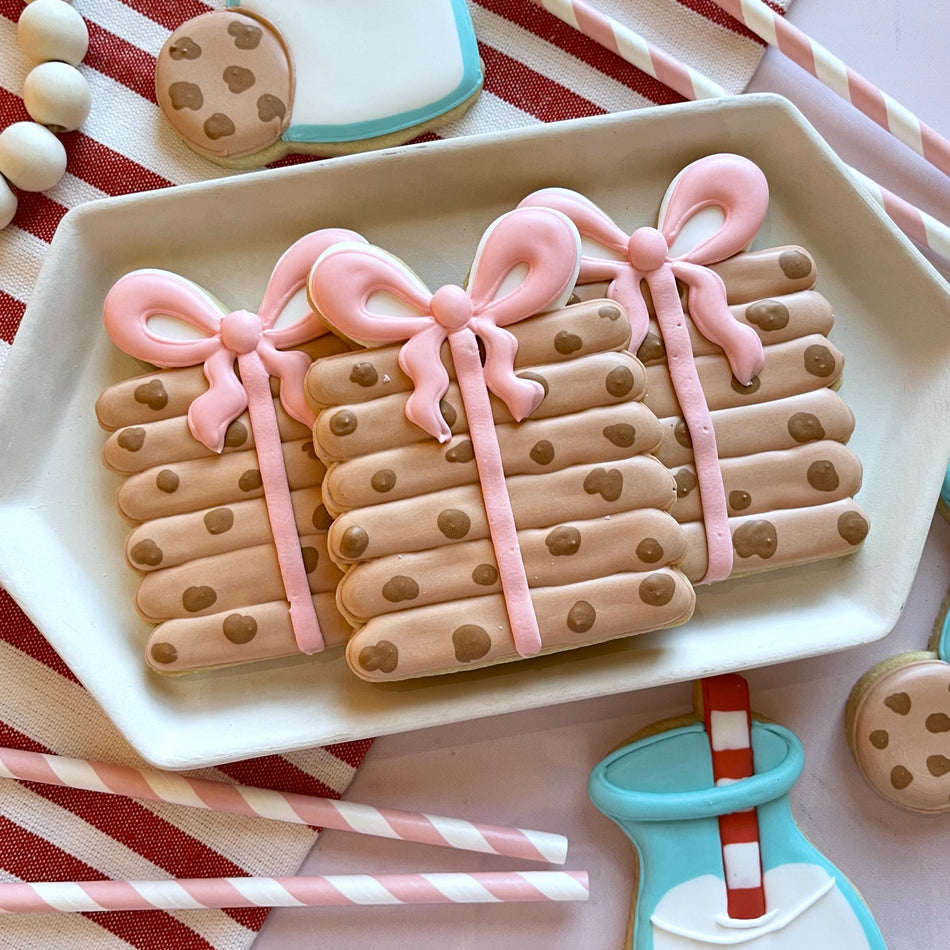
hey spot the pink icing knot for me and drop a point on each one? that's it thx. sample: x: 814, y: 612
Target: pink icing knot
x: 711, y: 211
x: 526, y: 263
x: 153, y: 316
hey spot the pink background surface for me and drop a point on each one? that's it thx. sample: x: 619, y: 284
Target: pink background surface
x: 531, y: 768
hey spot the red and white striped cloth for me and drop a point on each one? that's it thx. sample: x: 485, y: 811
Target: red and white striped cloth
x: 538, y: 69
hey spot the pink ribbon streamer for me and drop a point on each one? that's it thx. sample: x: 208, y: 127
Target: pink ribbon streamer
x: 526, y: 263
x: 254, y: 342
x: 738, y: 190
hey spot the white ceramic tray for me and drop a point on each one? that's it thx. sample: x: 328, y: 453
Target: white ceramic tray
x: 61, y: 540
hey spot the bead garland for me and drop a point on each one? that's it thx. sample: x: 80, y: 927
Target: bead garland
x: 54, y: 38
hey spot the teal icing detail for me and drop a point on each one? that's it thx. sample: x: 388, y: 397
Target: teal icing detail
x: 660, y: 791
x: 357, y: 131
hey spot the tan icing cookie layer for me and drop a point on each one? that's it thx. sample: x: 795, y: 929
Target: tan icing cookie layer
x: 421, y: 583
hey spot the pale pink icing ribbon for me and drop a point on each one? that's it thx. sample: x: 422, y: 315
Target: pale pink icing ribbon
x: 738, y: 189
x: 254, y: 341
x: 526, y: 263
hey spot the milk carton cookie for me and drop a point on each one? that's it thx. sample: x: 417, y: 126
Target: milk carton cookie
x: 490, y: 477
x: 264, y: 78
x: 222, y: 486
x: 739, y: 368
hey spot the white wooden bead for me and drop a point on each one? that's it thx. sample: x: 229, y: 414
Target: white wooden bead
x: 52, y: 30
x: 31, y: 157
x: 8, y: 203
x: 57, y: 95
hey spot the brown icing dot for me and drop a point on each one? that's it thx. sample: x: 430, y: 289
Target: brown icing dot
x: 818, y: 360
x: 448, y: 412
x: 384, y: 480
x: 246, y: 36
x: 311, y: 558
x: 538, y: 378
x: 364, y: 374
x: 198, y: 598
x: 619, y: 381
x: 146, y: 552
x: 822, y: 476
x: 566, y: 343
x: 767, y: 315
x: 681, y: 434
x: 383, y: 656
x: 609, y: 311
x: 657, y: 590
x: 453, y: 523
x: 650, y: 551
x: 744, y: 390
x: 185, y: 95
x: 354, y: 542
x: 184, y: 48
x: 322, y: 519
x: 485, y: 575
x: 400, y: 588
x: 563, y: 541
x: 651, y: 349
x: 308, y: 449
x: 238, y: 79
x: 219, y: 126
x: 621, y: 434
x: 938, y: 765
x: 131, y: 439
x: 239, y: 628
x: 270, y: 107
x: 250, y: 480
x: 853, y: 527
x: 879, y: 738
x: 542, y: 452
x: 163, y: 653
x: 167, y: 481
x: 236, y: 434
x: 900, y: 777
x: 606, y: 483
x: 219, y: 520
x: 755, y: 538
x: 795, y: 265
x: 805, y: 427
x: 471, y: 642
x: 899, y: 703
x: 739, y: 500
x: 937, y: 722
x: 152, y: 394
x: 685, y: 482
x: 343, y: 422
x: 464, y: 452
x: 581, y: 617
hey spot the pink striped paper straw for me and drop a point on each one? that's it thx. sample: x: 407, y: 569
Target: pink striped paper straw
x: 729, y: 726
x: 491, y: 887
x: 841, y: 79
x: 282, y: 806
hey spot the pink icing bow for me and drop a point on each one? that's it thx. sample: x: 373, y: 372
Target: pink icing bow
x: 142, y: 304
x: 526, y: 263
x: 711, y: 211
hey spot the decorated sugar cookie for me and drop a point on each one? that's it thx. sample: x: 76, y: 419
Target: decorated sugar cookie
x: 264, y: 78
x: 721, y: 862
x: 739, y: 370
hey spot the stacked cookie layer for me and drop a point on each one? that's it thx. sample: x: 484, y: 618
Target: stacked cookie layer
x: 590, y: 502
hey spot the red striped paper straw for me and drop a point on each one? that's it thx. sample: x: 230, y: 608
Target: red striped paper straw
x: 282, y: 806
x: 729, y: 726
x: 841, y: 79
x: 364, y: 890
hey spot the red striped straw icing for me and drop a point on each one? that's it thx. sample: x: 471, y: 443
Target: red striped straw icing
x: 282, y: 806
x: 491, y: 887
x: 841, y: 79
x: 729, y: 724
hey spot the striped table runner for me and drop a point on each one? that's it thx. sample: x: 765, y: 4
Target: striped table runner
x: 537, y: 70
